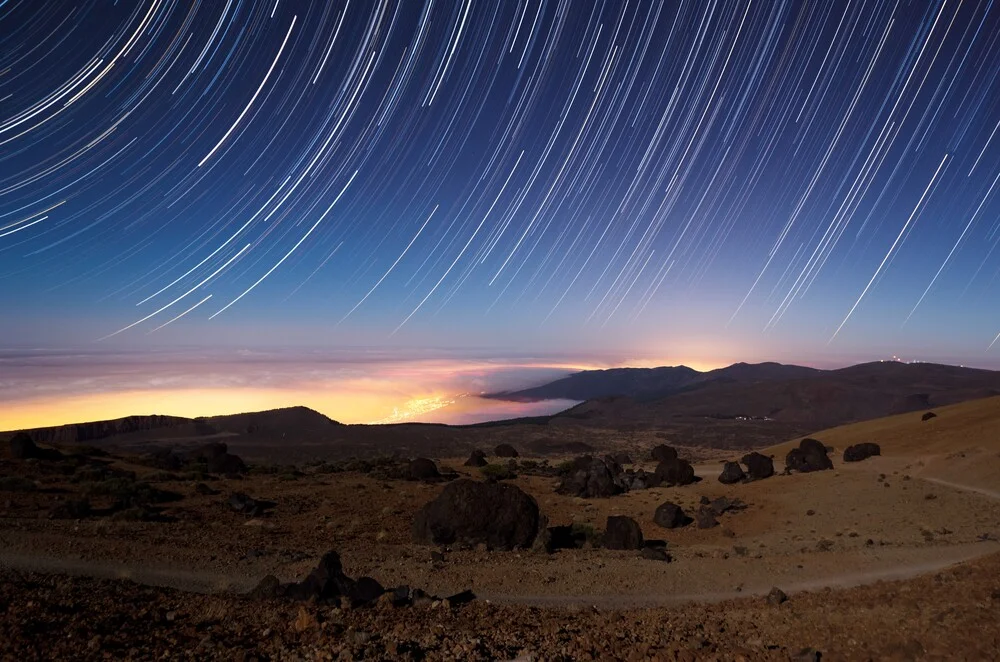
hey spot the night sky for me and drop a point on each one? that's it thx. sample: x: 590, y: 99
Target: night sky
x: 692, y: 180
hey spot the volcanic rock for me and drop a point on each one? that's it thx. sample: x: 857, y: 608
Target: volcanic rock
x: 706, y: 518
x: 622, y: 458
x: 365, y: 591
x: 673, y: 472
x: 811, y: 455
x: 655, y: 554
x: 589, y: 477
x: 670, y: 516
x: 22, y: 447
x: 423, y: 469
x: 226, y: 463
x: 477, y: 459
x: 664, y: 453
x: 731, y: 473
x: 247, y: 505
x: 326, y: 582
x: 499, y: 515
x: 863, y: 451
x: 776, y: 596
x: 622, y: 533
x: 724, y: 505
x: 758, y: 466
x: 71, y: 509
x: 505, y: 450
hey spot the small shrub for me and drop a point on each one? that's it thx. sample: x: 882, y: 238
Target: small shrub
x: 497, y: 472
x: 17, y: 484
x: 263, y: 469
x: 128, y: 493
x: 587, y: 533
x: 566, y: 466
x: 160, y: 477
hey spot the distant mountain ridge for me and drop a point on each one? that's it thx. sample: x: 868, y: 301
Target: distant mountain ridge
x: 817, y: 399
x: 651, y: 383
x: 302, y: 420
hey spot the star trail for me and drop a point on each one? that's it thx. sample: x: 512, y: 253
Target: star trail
x: 768, y: 174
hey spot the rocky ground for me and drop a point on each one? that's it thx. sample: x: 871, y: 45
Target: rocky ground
x: 952, y: 614
x: 866, y: 552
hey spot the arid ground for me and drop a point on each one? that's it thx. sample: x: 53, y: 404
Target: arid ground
x: 892, y: 557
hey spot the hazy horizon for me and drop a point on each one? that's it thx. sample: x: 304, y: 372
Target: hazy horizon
x: 39, y: 388
x: 569, y: 185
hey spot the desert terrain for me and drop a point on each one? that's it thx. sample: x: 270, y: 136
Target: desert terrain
x: 895, y: 556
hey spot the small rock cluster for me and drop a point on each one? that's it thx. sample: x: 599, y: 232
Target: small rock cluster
x: 758, y: 466
x: 811, y: 455
x: 591, y: 477
x: 328, y: 583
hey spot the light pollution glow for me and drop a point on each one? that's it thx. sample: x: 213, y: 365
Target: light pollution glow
x: 45, y: 390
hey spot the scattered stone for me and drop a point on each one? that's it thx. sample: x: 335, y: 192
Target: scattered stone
x: 227, y: 464
x: 365, y: 591
x: 723, y: 505
x: 424, y: 469
x: 705, y: 517
x: 928, y: 416
x: 673, y: 472
x: 859, y: 452
x: 776, y: 597
x: 500, y: 515
x: 247, y: 505
x: 589, y: 477
x: 759, y: 466
x: 811, y: 455
x: 622, y: 533
x: 477, y: 459
x: 664, y: 453
x: 732, y: 473
x: 203, y: 489
x: 670, y: 516
x: 655, y: 554
x: 505, y: 450
x: 71, y: 509
x: 22, y: 447
x: 622, y: 458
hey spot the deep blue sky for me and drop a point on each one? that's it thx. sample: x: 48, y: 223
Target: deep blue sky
x: 700, y: 181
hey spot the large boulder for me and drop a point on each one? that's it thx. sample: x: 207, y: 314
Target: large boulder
x: 226, y: 463
x: 505, y: 450
x: 622, y: 533
x: 673, y: 472
x: 670, y: 516
x: 758, y: 466
x: 326, y: 582
x: 477, y: 459
x: 22, y: 447
x: 209, y: 451
x: 499, y: 515
x: 863, y: 451
x: 731, y: 473
x: 590, y: 478
x: 424, y: 469
x: 664, y: 453
x: 705, y: 517
x: 811, y: 455
x: 622, y: 458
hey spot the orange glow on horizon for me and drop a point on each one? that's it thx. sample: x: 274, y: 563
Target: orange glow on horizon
x: 419, y: 391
